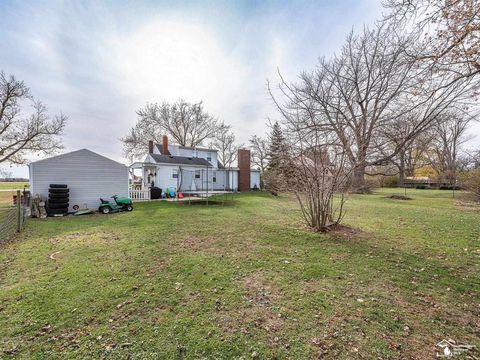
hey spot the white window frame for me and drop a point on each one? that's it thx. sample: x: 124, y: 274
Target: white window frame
x: 174, y: 173
x: 199, y: 174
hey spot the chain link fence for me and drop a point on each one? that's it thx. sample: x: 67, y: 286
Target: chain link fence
x: 12, y: 218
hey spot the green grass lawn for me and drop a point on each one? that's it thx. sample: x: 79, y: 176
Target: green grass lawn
x: 7, y: 196
x: 244, y: 280
x: 11, y: 185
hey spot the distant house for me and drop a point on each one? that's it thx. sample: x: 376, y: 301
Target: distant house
x: 424, y: 181
x: 194, y: 169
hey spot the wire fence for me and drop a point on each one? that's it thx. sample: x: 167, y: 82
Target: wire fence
x: 205, y: 179
x: 12, y: 218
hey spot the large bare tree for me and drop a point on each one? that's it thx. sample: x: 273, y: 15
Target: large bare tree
x: 370, y: 86
x: 448, y: 31
x: 24, y: 132
x: 224, y: 142
x: 412, y: 153
x: 186, y: 123
x: 260, y: 149
x: 450, y: 134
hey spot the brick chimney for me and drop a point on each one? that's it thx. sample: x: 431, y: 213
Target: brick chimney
x: 243, y: 170
x: 165, y: 150
x: 150, y: 147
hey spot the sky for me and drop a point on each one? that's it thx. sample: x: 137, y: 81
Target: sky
x: 99, y: 61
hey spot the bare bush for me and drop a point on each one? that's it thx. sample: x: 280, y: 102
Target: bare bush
x: 470, y: 181
x: 313, y: 165
x: 317, y: 175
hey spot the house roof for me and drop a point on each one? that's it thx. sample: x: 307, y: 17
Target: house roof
x: 196, y: 148
x: 160, y: 148
x: 180, y: 160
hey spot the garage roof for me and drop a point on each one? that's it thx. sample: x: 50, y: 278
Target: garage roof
x: 68, y: 154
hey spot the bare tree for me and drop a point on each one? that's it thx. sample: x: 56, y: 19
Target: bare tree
x: 5, y: 174
x: 188, y: 124
x: 412, y: 153
x: 224, y: 142
x: 260, y: 149
x: 24, y: 133
x: 447, y: 31
x: 450, y: 134
x: 369, y: 87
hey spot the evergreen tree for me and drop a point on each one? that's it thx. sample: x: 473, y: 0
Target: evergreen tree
x: 278, y: 148
x: 277, y: 170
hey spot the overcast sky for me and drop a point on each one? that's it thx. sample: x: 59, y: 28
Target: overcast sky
x: 98, y: 62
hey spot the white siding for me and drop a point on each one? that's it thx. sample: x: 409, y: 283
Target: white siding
x: 226, y: 179
x: 254, y: 179
x: 164, y: 177
x: 89, y: 177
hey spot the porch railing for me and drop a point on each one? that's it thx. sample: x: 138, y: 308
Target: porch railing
x: 139, y: 195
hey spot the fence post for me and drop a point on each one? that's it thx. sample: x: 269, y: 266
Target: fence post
x: 19, y: 212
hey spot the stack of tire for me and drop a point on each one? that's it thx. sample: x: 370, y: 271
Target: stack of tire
x: 58, y: 198
x: 155, y: 193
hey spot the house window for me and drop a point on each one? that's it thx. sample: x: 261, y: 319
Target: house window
x: 209, y: 156
x: 174, y: 174
x: 214, y: 176
x: 197, y: 174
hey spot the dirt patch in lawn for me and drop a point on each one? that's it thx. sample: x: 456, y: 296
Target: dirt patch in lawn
x: 340, y: 230
x: 398, y: 197
x: 252, y: 318
x: 467, y: 205
x: 159, y: 264
x: 259, y: 290
x: 412, y: 322
x: 221, y: 244
x: 259, y: 311
x: 86, y: 237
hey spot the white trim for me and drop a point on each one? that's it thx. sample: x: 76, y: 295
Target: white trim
x: 30, y: 178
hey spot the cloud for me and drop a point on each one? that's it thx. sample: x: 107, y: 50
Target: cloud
x: 99, y: 62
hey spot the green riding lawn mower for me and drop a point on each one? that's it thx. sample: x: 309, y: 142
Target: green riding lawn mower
x: 119, y: 204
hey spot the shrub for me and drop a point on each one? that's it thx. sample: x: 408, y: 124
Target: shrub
x: 471, y: 182
x: 422, y: 186
x: 448, y: 187
x: 390, y: 181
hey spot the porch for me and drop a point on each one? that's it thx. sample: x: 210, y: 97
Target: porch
x: 191, y: 181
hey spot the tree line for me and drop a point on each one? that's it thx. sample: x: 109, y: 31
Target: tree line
x: 396, y: 99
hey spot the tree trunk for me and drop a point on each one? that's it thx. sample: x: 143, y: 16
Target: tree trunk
x: 359, y: 176
x: 401, y: 170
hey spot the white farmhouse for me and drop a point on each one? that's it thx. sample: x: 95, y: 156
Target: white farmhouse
x: 172, y: 167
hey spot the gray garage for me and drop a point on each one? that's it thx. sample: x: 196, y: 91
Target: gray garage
x: 89, y: 177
